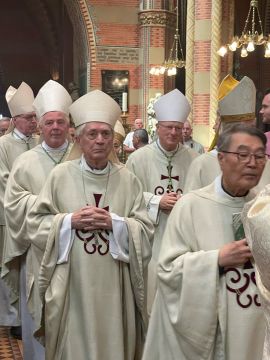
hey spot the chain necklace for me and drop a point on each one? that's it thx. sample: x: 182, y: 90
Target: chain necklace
x: 169, y: 167
x: 55, y: 161
x: 95, y: 232
x: 25, y: 141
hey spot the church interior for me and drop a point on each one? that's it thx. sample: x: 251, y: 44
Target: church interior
x: 88, y: 44
x: 112, y: 45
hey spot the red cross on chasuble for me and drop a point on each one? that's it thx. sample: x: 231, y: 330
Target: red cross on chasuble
x: 96, y: 241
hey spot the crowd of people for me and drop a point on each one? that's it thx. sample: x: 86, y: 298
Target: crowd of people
x: 164, y: 257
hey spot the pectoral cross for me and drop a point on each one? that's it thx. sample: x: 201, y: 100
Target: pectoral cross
x: 170, y: 177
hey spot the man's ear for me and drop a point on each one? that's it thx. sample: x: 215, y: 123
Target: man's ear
x: 220, y: 157
x: 77, y: 139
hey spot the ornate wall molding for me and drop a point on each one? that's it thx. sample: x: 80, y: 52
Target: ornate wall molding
x: 190, y: 53
x: 215, y: 63
x: 161, y: 18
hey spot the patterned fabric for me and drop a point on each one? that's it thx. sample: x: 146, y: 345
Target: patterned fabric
x: 256, y: 222
x: 10, y: 348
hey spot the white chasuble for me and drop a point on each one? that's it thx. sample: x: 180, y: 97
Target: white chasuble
x: 94, y: 305
x: 202, y: 172
x: 10, y: 149
x: 198, y: 313
x: 28, y: 175
x: 151, y: 166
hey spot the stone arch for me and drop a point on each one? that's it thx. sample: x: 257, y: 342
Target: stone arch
x: 85, y: 41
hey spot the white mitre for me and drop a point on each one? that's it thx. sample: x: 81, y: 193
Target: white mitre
x: 20, y: 101
x: 239, y: 103
x: 52, y: 97
x: 95, y: 106
x: 172, y: 106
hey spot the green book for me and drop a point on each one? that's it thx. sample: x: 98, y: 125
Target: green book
x: 238, y: 228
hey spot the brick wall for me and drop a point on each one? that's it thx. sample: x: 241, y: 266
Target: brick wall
x: 117, y: 44
x: 203, y: 9
x: 202, y: 53
x: 202, y: 65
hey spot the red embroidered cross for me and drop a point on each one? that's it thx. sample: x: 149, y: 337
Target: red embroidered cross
x: 91, y: 238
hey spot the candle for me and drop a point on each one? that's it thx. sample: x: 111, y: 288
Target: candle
x: 124, y: 102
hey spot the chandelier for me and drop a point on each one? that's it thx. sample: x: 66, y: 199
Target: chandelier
x: 252, y: 35
x: 169, y: 67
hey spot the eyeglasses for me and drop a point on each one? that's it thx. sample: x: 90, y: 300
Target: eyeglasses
x: 106, y: 134
x: 27, y: 117
x: 245, y: 157
x: 177, y: 129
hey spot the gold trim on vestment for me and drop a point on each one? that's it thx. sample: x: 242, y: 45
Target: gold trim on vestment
x: 238, y: 117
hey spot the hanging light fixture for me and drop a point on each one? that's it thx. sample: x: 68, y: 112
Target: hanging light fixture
x: 176, y: 57
x: 251, y: 36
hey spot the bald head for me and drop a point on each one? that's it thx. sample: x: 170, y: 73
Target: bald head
x: 186, y: 131
x: 138, y: 124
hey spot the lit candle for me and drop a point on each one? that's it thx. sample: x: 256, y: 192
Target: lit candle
x: 124, y: 102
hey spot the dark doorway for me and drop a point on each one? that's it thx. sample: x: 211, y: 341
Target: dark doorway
x: 36, y: 39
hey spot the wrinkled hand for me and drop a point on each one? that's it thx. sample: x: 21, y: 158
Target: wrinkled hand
x: 168, y: 201
x: 91, y: 218
x: 234, y: 254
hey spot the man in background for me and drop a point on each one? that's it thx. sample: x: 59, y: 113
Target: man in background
x: 140, y: 138
x: 162, y: 167
x: 4, y: 124
x: 265, y: 112
x: 188, y: 140
x: 13, y: 144
x: 52, y: 108
x: 128, y: 142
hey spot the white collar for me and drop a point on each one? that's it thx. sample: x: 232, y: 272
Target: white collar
x: 86, y: 167
x: 19, y: 135
x: 166, y: 151
x: 219, y: 190
x: 50, y: 149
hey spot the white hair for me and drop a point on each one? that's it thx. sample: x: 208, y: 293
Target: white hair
x: 79, y: 129
x: 66, y: 117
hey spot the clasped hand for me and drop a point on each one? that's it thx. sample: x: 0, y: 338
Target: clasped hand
x: 168, y: 201
x: 235, y: 253
x: 90, y: 218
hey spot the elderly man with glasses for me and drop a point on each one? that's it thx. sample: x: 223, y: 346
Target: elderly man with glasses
x: 162, y: 167
x: 52, y: 108
x: 18, y: 140
x: 207, y: 304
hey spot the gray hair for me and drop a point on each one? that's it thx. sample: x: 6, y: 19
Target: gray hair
x: 79, y: 130
x: 5, y: 118
x: 66, y: 117
x: 229, y: 125
x: 224, y: 140
x: 142, y: 135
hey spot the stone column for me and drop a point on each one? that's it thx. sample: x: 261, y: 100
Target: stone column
x: 156, y: 33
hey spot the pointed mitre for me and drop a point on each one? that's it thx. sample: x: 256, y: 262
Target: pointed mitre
x: 172, y: 106
x: 119, y: 131
x: 52, y: 97
x: 95, y: 106
x: 237, y: 100
x: 20, y: 101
